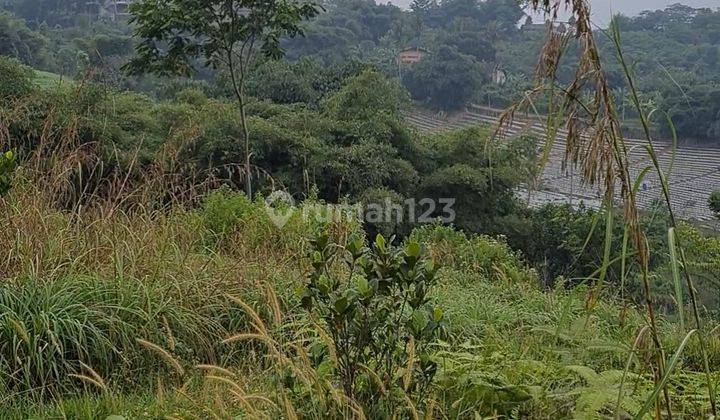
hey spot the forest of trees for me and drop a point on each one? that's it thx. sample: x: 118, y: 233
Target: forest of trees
x: 465, y: 44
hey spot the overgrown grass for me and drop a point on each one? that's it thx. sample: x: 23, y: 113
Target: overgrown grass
x: 80, y: 289
x: 85, y: 292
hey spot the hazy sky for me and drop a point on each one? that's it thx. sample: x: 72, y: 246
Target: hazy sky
x: 632, y: 7
x: 602, y: 9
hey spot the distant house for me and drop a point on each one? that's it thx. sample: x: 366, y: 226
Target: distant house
x: 411, y: 55
x: 558, y: 27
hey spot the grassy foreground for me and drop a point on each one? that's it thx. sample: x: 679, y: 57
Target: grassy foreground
x: 112, y: 313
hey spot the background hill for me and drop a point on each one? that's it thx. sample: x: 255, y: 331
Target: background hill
x: 674, y: 53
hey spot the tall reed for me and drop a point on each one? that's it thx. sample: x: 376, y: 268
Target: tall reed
x: 596, y: 145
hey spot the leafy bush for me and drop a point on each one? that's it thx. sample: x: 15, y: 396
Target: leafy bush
x: 714, y: 203
x: 385, y: 213
x: 480, y: 176
x: 377, y: 314
x: 472, y: 382
x: 192, y: 95
x: 263, y: 225
x: 562, y: 241
x: 15, y: 79
x: 223, y: 210
x: 492, y: 258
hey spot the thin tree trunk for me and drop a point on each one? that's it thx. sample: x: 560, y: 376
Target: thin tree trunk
x: 246, y: 138
x: 239, y: 94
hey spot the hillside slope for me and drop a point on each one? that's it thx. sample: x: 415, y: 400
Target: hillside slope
x: 115, y: 313
x: 693, y: 172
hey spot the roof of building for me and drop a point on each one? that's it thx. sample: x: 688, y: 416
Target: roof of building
x: 414, y: 48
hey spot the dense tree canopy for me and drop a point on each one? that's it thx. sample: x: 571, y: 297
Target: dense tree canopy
x: 675, y: 53
x: 446, y: 79
x: 19, y: 41
x: 375, y: 33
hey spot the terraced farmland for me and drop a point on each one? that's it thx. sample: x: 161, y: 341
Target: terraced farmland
x: 693, y: 171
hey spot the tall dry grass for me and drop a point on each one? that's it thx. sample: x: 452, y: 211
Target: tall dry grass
x: 595, y: 145
x: 111, y: 266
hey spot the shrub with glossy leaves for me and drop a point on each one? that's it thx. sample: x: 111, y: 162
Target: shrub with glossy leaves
x: 377, y: 312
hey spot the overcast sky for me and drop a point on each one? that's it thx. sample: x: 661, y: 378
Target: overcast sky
x: 603, y: 9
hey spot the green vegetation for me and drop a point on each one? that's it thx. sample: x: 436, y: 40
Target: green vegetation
x: 224, y: 34
x: 379, y: 320
x: 673, y: 55
x: 352, y: 147
x: 403, y: 278
x: 714, y: 202
x: 130, y: 306
x: 474, y: 52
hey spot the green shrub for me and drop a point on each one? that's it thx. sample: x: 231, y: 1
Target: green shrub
x: 378, y: 315
x: 479, y: 175
x: 473, y: 382
x: 559, y: 240
x: 15, y: 79
x: 192, y: 96
x: 270, y: 225
x: 714, y: 203
x: 223, y: 210
x: 385, y: 213
x: 492, y: 258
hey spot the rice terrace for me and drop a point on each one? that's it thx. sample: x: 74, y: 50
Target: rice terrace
x: 693, y: 171
x: 349, y: 209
